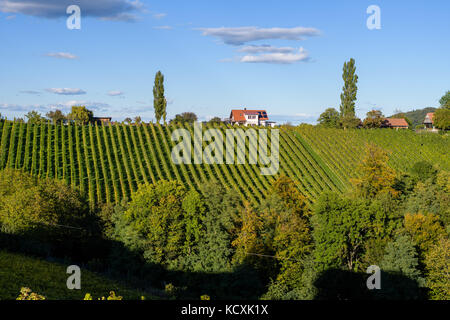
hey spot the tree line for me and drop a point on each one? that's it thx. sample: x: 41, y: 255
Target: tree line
x: 346, y: 117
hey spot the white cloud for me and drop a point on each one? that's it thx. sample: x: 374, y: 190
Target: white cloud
x: 163, y: 27
x: 115, y: 10
x: 277, y: 58
x: 159, y: 15
x: 30, y: 92
x: 66, y: 91
x: 91, y: 105
x: 62, y: 55
x: 124, y: 17
x: 266, y: 48
x: 242, y: 35
x: 17, y: 107
x: 115, y: 93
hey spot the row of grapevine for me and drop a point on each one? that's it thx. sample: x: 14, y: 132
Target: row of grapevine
x: 106, y: 163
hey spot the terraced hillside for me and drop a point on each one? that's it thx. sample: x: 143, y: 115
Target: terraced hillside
x: 106, y: 163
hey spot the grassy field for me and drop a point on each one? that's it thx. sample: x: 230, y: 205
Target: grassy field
x: 49, y: 279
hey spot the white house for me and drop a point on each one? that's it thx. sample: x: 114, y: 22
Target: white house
x: 250, y: 118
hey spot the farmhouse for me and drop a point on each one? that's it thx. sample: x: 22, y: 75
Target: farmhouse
x: 429, y: 121
x: 250, y: 118
x: 395, y: 123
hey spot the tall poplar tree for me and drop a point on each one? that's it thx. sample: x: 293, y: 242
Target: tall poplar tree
x: 159, y: 101
x: 348, y: 95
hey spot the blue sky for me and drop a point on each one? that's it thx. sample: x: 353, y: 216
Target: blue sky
x: 287, y: 59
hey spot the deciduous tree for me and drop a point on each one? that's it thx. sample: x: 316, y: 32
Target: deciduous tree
x: 437, y: 264
x: 159, y: 100
x: 374, y: 119
x: 348, y: 95
x: 376, y: 176
x: 80, y: 114
x: 35, y: 117
x: 56, y: 116
x: 329, y: 118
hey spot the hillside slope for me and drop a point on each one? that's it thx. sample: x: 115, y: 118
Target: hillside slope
x: 106, y: 163
x: 49, y: 279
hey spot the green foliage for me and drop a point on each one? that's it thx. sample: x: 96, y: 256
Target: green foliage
x: 329, y: 118
x: 401, y: 257
x: 442, y: 118
x: 194, y: 209
x: 138, y: 120
x: 185, y: 117
x: 215, y: 120
x: 374, y: 119
x: 162, y: 221
x: 159, y: 100
x: 56, y: 116
x: 214, y: 251
x: 348, y: 96
x: 27, y: 203
x: 35, y: 118
x: 438, y: 270
x: 286, y: 189
x: 423, y: 170
x: 424, y: 230
x: 342, y: 226
x: 350, y: 122
x: 80, y: 114
x: 445, y: 100
x: 428, y: 197
x: 376, y: 177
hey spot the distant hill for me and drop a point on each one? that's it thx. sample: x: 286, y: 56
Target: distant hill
x: 416, y: 116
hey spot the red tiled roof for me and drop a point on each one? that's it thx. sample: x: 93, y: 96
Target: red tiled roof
x: 396, y: 122
x: 238, y: 115
x: 430, y: 116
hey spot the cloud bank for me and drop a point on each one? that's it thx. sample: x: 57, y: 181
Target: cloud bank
x: 277, y: 57
x: 242, y: 35
x: 62, y: 55
x: 266, y: 48
x: 115, y: 93
x: 66, y: 91
x: 113, y: 10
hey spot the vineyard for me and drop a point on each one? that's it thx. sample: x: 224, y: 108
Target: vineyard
x: 107, y: 163
x: 343, y: 150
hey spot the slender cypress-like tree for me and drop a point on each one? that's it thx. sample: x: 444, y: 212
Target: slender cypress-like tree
x: 159, y: 101
x: 348, y: 95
